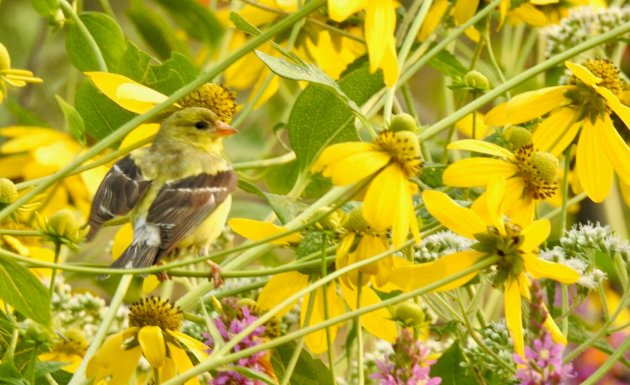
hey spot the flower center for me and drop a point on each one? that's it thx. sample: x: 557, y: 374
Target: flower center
x: 539, y: 170
x: 154, y: 311
x: 404, y: 148
x: 606, y: 70
x: 74, y: 342
x: 506, y: 247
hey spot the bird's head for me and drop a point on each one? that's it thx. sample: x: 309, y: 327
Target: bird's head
x: 196, y: 126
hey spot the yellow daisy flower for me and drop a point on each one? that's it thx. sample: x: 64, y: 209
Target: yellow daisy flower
x: 583, y: 107
x: 154, y: 334
x: 380, y: 25
x: 515, y: 245
x: 530, y: 175
x: 391, y: 159
x: 68, y: 349
x: 542, y: 13
x: 11, y: 76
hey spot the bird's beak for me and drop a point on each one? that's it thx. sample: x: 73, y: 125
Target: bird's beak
x: 224, y: 129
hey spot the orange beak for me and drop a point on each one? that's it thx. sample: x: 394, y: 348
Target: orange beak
x: 224, y: 129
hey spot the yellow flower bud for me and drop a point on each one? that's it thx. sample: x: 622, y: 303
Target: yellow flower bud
x: 547, y: 165
x: 477, y: 81
x: 518, y: 136
x: 8, y: 191
x: 213, y: 97
x: 403, y: 122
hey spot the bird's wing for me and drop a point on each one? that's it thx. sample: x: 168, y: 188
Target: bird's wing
x: 182, y: 205
x: 119, y: 192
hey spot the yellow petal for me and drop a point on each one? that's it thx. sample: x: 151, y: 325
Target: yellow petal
x: 519, y: 209
x: 615, y: 148
x: 112, y: 359
x: 150, y: 283
x: 471, y: 172
x: 458, y: 219
x: 482, y: 147
x: 540, y: 268
x: 196, y: 347
x: 340, y: 10
x: 279, y: 287
x: 616, y: 105
x: 12, y: 166
x: 127, y: 93
x: 31, y: 141
x: 465, y: 126
x: 591, y: 164
x: 258, y: 230
x: 433, y: 18
x: 464, y: 10
x: 140, y: 133
x: 389, y: 64
x: 553, y: 329
x: 316, y: 341
x: 378, y: 322
x: 182, y: 363
x: 153, y: 346
x: 513, y: 316
x: 411, y: 277
x: 495, y: 193
x: 556, y: 132
x: 380, y: 23
x: 340, y: 151
x: 534, y: 235
x: 527, y: 106
x: 582, y: 73
x: 122, y: 240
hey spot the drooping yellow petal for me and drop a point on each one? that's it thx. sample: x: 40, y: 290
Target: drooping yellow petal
x: 458, y: 219
x: 196, y: 347
x: 112, y: 359
x: 592, y: 166
x: 356, y: 167
x: 615, y: 148
x: 380, y: 23
x: 410, y: 277
x: 534, y: 235
x: 513, y: 316
x: 540, y: 268
x: 72, y: 361
x: 279, y: 287
x: 556, y: 132
x: 472, y: 172
x: 389, y: 64
x: 316, y: 341
x: 583, y: 73
x: 258, y: 230
x: 182, y: 363
x: 519, y: 209
x: 527, y: 106
x: 553, y: 329
x: 378, y: 322
x: 340, y: 10
x: 481, y: 147
x: 433, y: 18
x: 464, y: 10
x: 495, y: 191
x: 340, y: 151
x: 127, y: 93
x: 153, y: 346
x: 622, y: 110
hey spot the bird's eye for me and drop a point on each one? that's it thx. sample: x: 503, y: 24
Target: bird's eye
x: 201, y: 125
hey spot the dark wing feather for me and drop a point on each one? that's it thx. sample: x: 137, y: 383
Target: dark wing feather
x: 119, y: 192
x: 181, y: 206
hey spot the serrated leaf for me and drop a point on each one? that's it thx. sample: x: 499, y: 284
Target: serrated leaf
x: 74, y: 121
x: 46, y: 8
x: 22, y: 290
x: 449, y: 369
x: 244, y: 25
x: 108, y: 36
x: 447, y: 64
x: 196, y: 19
x: 308, y: 370
x: 285, y: 208
x: 154, y: 29
x: 320, y: 118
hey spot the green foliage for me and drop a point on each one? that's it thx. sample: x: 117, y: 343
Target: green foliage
x: 196, y: 20
x: 308, y: 370
x: 46, y: 8
x: 448, y: 64
x: 74, y: 121
x: 106, y: 33
x: 449, y: 369
x: 154, y: 29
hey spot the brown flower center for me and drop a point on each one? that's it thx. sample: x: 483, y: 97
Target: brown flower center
x: 155, y: 311
x: 404, y: 149
x: 539, y: 171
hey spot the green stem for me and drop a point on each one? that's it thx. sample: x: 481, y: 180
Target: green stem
x: 123, y: 130
x: 493, y: 59
x: 97, y: 340
x: 565, y: 308
x: 360, y: 357
x: 96, y: 50
x: 329, y: 341
x: 282, y: 159
x: 223, y: 358
x: 565, y: 190
x: 606, y: 366
x: 53, y: 273
x: 522, y: 77
x: 21, y: 233
x: 576, y: 199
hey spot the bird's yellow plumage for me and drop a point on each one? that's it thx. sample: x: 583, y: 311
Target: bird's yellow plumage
x: 176, y: 192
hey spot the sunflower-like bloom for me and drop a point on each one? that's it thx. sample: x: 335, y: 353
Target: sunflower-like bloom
x: 380, y: 25
x: 392, y: 158
x: 543, y: 13
x: 530, y: 175
x: 11, y: 76
x: 515, y: 245
x: 154, y: 334
x: 582, y: 108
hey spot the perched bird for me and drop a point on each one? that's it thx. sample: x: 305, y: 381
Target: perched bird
x: 176, y: 192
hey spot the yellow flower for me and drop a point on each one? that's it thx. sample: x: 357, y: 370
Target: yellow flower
x: 380, y: 25
x: 530, y: 175
x: 583, y: 107
x: 543, y: 13
x: 516, y: 246
x: 392, y: 159
x: 11, y: 76
x: 154, y: 334
x: 69, y: 349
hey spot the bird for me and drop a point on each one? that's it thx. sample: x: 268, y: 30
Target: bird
x: 177, y: 192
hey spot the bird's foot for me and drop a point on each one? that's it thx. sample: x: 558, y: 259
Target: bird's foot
x: 215, y: 274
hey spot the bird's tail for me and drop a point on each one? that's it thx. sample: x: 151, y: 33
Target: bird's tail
x: 138, y: 254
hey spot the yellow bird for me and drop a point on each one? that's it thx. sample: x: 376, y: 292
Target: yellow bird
x: 177, y: 192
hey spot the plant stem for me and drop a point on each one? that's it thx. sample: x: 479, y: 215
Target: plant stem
x: 53, y: 273
x: 96, y: 50
x: 565, y: 190
x: 606, y: 366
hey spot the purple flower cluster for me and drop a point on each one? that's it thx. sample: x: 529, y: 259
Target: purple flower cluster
x: 543, y: 365
x: 230, y: 328
x: 408, y: 365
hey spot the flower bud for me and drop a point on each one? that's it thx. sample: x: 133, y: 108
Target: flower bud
x: 409, y: 314
x: 547, y: 165
x: 355, y: 221
x: 403, y: 122
x: 36, y: 334
x: 8, y: 191
x: 518, y: 136
x: 63, y: 228
x: 214, y: 97
x: 477, y: 81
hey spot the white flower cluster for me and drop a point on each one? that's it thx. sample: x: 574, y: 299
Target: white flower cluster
x: 581, y: 24
x: 441, y: 244
x: 496, y: 337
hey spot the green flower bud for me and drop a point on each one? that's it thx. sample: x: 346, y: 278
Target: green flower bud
x: 63, y: 228
x: 8, y: 191
x: 409, y: 314
x: 403, y: 122
x: 214, y: 97
x: 331, y: 221
x: 476, y: 80
x: 355, y: 221
x: 518, y: 136
x: 36, y: 334
x: 547, y: 165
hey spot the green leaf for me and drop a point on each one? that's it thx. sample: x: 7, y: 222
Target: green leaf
x: 312, y: 242
x: 9, y: 375
x: 195, y: 19
x: 447, y: 64
x: 22, y: 290
x: 101, y: 115
x: 244, y: 25
x: 253, y: 374
x: 320, y: 118
x: 250, y: 188
x: 448, y: 368
x: 46, y: 8
x: 108, y: 36
x: 286, y: 208
x: 154, y: 29
x: 308, y: 370
x: 74, y: 121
